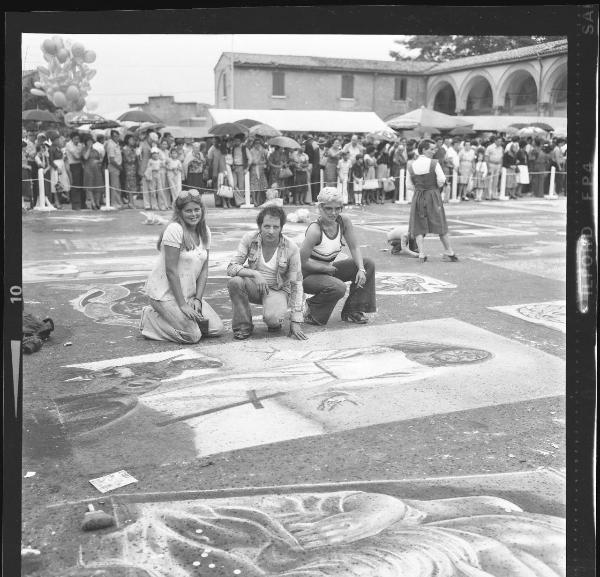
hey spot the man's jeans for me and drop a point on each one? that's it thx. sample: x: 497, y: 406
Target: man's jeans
x: 243, y: 291
x: 327, y: 290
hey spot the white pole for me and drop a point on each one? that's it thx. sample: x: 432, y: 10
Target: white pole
x: 503, y: 184
x: 402, y: 189
x: 43, y: 204
x: 107, y: 192
x: 551, y: 191
x: 454, y: 193
x: 248, y: 203
x: 322, y: 179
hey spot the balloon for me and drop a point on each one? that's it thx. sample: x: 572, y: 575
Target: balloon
x: 47, y: 57
x: 58, y: 42
x: 79, y: 104
x: 49, y: 47
x: 91, y: 74
x: 89, y: 56
x: 37, y: 92
x: 78, y: 50
x: 62, y: 55
x: 72, y: 92
x: 43, y: 70
x: 38, y: 84
x: 92, y: 105
x: 59, y: 99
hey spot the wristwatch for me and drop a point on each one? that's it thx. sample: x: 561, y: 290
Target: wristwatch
x: 362, y: 270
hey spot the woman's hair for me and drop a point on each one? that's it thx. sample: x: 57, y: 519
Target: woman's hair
x: 201, y: 228
x: 474, y: 143
x: 424, y: 145
x: 330, y: 194
x: 271, y: 210
x: 370, y: 149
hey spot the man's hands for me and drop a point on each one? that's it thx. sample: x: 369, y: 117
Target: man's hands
x: 191, y: 313
x: 296, y: 332
x: 361, y: 278
x: 261, y: 283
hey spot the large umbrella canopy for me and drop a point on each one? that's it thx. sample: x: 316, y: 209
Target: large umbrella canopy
x: 425, y: 118
x: 147, y: 126
x: 543, y: 125
x: 248, y: 122
x: 284, y: 142
x: 79, y: 118
x: 228, y: 129
x: 264, y: 130
x: 139, y: 116
x: 106, y: 124
x: 518, y: 125
x: 462, y: 130
x: 36, y: 115
x: 531, y: 131
x: 383, y: 135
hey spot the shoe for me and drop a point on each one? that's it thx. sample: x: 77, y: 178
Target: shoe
x: 357, y: 318
x: 423, y: 258
x: 449, y: 257
x: 308, y: 317
x: 241, y: 335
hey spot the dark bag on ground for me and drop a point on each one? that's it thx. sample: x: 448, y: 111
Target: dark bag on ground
x: 35, y: 332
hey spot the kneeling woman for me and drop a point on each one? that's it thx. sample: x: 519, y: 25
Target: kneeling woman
x: 325, y: 279
x: 177, y: 281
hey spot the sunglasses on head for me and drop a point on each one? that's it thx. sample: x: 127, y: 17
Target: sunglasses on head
x: 188, y: 195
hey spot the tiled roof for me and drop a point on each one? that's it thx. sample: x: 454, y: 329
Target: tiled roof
x: 397, y: 67
x: 526, y: 52
x: 270, y: 60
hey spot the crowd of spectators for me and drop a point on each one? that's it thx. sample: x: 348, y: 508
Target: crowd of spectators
x: 149, y: 171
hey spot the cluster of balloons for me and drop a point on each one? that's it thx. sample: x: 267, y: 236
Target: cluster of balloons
x: 66, y: 79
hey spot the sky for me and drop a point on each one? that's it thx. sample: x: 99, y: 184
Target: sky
x: 132, y: 67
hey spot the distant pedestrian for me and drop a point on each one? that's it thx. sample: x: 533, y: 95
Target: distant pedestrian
x: 480, y: 177
x: 129, y: 175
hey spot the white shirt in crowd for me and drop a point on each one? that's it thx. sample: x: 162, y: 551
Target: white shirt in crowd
x: 452, y: 155
x: 422, y: 165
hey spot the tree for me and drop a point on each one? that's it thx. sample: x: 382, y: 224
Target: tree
x: 29, y: 100
x: 442, y: 48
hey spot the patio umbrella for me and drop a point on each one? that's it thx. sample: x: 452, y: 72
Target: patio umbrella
x: 78, y: 118
x: 427, y: 118
x: 36, y: 115
x: 106, y: 124
x: 284, y: 142
x: 147, y: 126
x: 461, y: 130
x: 383, y: 135
x: 248, y: 122
x: 263, y: 130
x: 543, y: 126
x: 139, y: 116
x: 228, y: 129
x: 531, y: 131
x: 518, y: 125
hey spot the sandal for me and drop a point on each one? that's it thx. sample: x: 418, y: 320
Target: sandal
x: 241, y: 336
x: 422, y: 258
x: 357, y: 318
x: 449, y: 258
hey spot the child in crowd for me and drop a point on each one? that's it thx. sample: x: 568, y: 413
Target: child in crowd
x: 344, y: 166
x: 152, y: 176
x: 174, y: 174
x: 358, y: 178
x: 480, y: 182
x: 402, y: 242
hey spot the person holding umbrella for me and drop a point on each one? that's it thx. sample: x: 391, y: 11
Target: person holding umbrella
x: 257, y: 162
x: 427, y: 215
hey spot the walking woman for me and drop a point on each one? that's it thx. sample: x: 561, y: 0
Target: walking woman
x: 427, y: 216
x: 326, y: 278
x: 178, y: 311
x: 371, y: 183
x: 540, y: 165
x: 93, y: 182
x: 193, y: 167
x: 466, y: 159
x: 509, y: 162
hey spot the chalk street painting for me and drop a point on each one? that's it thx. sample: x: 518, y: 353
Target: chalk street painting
x: 267, y: 394
x: 346, y: 532
x: 551, y: 314
x: 397, y: 283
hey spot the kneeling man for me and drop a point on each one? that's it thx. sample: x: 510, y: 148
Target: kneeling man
x: 266, y: 270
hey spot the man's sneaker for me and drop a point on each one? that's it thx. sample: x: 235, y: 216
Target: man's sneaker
x: 308, y: 317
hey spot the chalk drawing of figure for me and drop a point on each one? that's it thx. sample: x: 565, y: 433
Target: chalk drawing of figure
x: 341, y: 534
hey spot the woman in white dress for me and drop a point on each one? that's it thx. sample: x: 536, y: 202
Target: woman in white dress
x: 177, y: 310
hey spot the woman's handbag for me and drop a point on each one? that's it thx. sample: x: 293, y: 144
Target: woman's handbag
x: 225, y: 191
x: 388, y: 185
x: 371, y: 184
x: 284, y: 173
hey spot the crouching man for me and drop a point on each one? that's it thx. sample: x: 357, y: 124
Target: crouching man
x: 266, y: 270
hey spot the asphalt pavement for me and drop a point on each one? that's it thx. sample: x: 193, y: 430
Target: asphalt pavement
x: 460, y: 373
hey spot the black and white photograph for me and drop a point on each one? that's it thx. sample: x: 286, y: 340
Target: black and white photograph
x: 285, y: 300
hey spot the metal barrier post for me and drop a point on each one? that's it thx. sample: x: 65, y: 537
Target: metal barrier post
x: 552, y: 188
x: 43, y: 204
x: 107, y: 205
x: 503, y: 185
x: 248, y: 200
x: 454, y: 193
x: 322, y: 178
x: 402, y: 189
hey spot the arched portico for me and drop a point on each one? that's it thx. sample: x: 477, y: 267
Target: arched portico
x: 555, y: 88
x: 518, y: 90
x: 442, y: 95
x: 477, y: 94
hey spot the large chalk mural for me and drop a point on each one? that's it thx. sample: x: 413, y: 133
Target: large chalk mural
x: 551, y: 314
